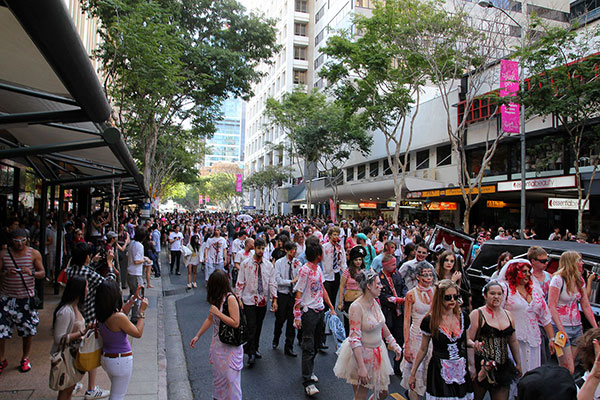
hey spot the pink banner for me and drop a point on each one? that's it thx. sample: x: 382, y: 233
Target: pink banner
x: 238, y: 183
x: 206, y: 199
x: 509, y: 86
x: 332, y: 209
x: 200, y: 199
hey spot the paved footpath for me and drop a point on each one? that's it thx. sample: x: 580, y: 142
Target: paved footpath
x: 148, y: 381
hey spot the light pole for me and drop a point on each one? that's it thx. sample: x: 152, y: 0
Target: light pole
x: 488, y: 4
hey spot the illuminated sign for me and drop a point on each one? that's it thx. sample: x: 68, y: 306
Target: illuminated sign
x: 449, y: 192
x: 539, y: 183
x: 441, y: 206
x: 367, y: 205
x: 405, y: 204
x: 565, y: 204
x: 499, y: 204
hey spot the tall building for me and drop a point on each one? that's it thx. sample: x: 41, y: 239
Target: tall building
x: 226, y: 144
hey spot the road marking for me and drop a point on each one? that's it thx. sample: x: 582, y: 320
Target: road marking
x: 397, y: 396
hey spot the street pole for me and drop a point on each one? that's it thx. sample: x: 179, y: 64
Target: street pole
x: 522, y: 129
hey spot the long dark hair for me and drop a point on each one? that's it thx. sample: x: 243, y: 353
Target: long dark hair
x: 217, y: 287
x: 74, y: 290
x: 108, y: 300
x: 195, y: 243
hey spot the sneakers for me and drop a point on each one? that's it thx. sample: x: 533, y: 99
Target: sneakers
x: 96, y: 393
x: 3, y: 364
x: 314, y: 378
x: 194, y: 285
x: 25, y: 365
x: 188, y: 286
x: 311, y: 390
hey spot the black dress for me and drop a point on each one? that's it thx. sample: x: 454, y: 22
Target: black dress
x: 447, y: 375
x: 495, y: 348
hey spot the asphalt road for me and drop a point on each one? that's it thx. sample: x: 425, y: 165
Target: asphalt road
x: 275, y: 376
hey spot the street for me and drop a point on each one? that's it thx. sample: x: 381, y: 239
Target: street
x: 275, y: 376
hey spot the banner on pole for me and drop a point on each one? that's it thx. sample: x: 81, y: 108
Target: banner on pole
x: 509, y: 86
x: 200, y: 198
x: 206, y: 199
x: 238, y: 183
x: 332, y: 209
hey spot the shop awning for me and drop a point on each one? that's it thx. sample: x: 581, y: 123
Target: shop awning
x: 53, y: 110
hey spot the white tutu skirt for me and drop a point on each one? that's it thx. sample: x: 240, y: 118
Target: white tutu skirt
x: 377, y: 362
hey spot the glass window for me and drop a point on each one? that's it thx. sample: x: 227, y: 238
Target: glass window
x: 361, y: 172
x: 319, y: 60
x: 349, y: 174
x: 299, y: 77
x: 374, y: 169
x: 423, y: 159
x: 319, y: 37
x: 320, y: 14
x: 300, y: 29
x: 444, y: 155
x: 407, y: 163
x: 386, y: 167
x: 301, y: 5
x: 299, y: 53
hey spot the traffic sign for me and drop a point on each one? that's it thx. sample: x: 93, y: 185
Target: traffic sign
x: 249, y: 208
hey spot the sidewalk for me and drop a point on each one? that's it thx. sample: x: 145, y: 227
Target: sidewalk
x: 148, y: 382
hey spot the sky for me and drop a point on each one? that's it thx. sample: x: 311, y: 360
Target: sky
x: 249, y: 4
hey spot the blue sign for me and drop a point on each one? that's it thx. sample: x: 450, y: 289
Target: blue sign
x: 249, y: 208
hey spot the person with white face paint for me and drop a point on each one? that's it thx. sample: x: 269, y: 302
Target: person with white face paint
x: 362, y: 358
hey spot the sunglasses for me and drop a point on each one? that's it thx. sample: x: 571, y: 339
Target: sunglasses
x: 449, y: 297
x: 19, y: 240
x: 544, y: 261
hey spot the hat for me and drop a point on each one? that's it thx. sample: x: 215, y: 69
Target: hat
x: 19, y: 232
x: 362, y: 236
x: 111, y: 235
x: 548, y: 382
x: 357, y: 251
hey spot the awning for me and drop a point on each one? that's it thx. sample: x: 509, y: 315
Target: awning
x: 53, y: 110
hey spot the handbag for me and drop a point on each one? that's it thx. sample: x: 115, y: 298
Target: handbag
x: 63, y: 373
x: 230, y: 335
x: 90, y: 350
x: 34, y: 301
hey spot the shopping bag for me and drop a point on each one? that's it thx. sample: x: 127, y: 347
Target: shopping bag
x: 63, y: 373
x: 90, y: 350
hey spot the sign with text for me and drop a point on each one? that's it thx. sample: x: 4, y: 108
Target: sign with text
x: 368, y: 205
x: 555, y: 182
x: 441, y: 206
x: 238, y: 183
x: 450, y: 192
x: 509, y: 86
x: 566, y: 204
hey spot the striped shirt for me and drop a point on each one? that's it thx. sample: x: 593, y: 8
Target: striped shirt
x: 12, y: 284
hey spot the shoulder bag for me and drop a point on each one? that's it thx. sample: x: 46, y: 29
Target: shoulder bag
x: 90, y: 350
x: 34, y: 301
x: 230, y: 335
x: 63, y: 373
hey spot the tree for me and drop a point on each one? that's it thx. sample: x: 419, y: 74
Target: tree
x: 267, y: 180
x: 169, y: 65
x: 296, y: 111
x: 219, y: 187
x: 459, y: 50
x: 380, y: 77
x: 563, y: 82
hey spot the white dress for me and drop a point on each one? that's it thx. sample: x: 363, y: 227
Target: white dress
x: 418, y: 312
x: 375, y: 355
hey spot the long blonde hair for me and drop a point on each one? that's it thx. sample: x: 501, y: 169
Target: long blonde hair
x: 437, y: 304
x: 569, y: 271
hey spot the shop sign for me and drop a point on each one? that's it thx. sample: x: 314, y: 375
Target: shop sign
x: 349, y: 207
x: 441, y: 206
x: 305, y: 206
x: 565, y: 204
x: 499, y: 204
x: 405, y: 204
x: 450, y: 192
x: 554, y: 182
x: 368, y: 205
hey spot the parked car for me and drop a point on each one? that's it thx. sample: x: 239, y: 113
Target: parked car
x: 485, y: 262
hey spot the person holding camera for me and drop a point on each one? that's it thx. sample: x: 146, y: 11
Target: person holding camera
x: 114, y: 327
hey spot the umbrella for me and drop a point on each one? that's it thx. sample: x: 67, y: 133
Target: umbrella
x: 244, y: 218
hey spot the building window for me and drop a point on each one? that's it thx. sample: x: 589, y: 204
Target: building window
x: 374, y: 169
x: 299, y: 53
x: 319, y: 61
x: 319, y: 14
x: 299, y: 77
x: 423, y: 159
x: 444, y: 155
x: 365, y: 3
x: 319, y: 83
x: 319, y: 37
x: 349, y: 174
x: 299, y: 29
x: 301, y: 6
x: 402, y: 161
x: 386, y: 167
x: 361, y: 172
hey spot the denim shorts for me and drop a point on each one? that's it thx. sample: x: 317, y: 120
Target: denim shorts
x: 573, y: 333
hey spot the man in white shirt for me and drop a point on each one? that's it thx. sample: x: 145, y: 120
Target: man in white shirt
x: 238, y: 243
x: 175, y: 242
x: 334, y: 261
x: 408, y: 271
x: 256, y: 283
x: 239, y: 257
x: 135, y: 265
x: 215, y: 255
x: 501, y: 234
x: 287, y: 275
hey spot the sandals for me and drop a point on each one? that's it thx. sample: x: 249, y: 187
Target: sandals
x: 3, y: 364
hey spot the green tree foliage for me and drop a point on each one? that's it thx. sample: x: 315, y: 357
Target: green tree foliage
x: 379, y: 76
x: 219, y: 187
x: 267, y: 181
x: 320, y: 133
x: 168, y: 67
x: 563, y: 82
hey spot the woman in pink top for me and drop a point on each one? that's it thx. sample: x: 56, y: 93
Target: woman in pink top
x: 565, y: 293
x: 349, y: 289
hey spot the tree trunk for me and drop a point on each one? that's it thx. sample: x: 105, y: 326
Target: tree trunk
x: 309, y: 198
x: 466, y: 217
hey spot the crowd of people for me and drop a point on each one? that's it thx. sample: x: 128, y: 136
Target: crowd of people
x: 405, y: 303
